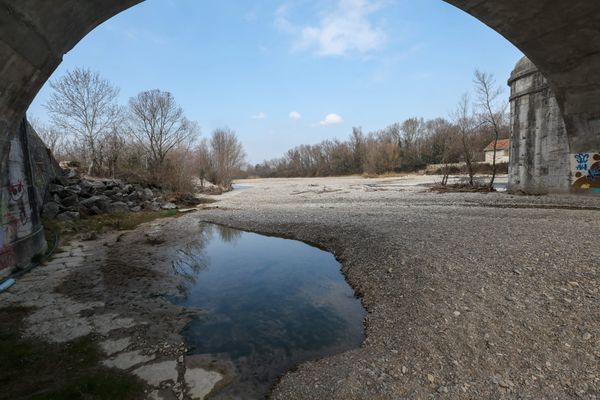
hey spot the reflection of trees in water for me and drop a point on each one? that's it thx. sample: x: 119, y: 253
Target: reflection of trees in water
x: 228, y: 235
x: 191, y: 260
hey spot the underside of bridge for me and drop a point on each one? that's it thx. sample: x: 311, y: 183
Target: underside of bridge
x: 561, y: 37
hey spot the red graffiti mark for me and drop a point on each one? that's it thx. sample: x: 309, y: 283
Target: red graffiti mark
x: 7, y: 257
x: 12, y: 222
x: 16, y: 190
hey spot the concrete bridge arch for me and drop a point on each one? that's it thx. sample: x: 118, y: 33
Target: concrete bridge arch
x: 562, y: 38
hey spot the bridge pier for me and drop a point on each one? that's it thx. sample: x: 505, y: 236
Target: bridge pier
x: 544, y: 158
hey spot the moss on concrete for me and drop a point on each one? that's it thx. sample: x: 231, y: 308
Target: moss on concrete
x: 33, y: 369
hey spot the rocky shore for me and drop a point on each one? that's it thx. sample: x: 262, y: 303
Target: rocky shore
x: 72, y: 196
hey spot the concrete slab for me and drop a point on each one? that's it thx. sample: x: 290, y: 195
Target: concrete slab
x: 201, y: 382
x: 110, y: 347
x: 128, y: 360
x: 155, y: 374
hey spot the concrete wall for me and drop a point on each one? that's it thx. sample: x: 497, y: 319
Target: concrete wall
x: 19, y: 214
x: 539, y: 153
x: 24, y: 184
x: 502, y: 156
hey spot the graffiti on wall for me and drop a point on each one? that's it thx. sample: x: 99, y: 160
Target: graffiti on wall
x: 585, y: 170
x: 15, y: 210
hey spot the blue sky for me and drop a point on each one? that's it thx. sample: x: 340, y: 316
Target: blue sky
x: 283, y: 73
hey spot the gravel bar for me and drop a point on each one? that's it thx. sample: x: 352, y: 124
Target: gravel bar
x: 469, y: 296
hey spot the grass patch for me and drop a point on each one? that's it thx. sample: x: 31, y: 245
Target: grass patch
x: 91, y: 227
x: 367, y: 175
x: 32, y: 369
x: 462, y: 188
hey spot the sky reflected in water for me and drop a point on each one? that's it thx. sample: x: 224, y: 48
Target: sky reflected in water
x: 271, y: 304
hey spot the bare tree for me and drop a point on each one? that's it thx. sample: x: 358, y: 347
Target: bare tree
x: 227, y: 155
x: 465, y: 123
x: 491, y: 110
x: 83, y: 104
x: 51, y: 136
x: 203, y: 162
x: 159, y: 125
x: 113, y: 146
x: 445, y: 132
x: 357, y: 145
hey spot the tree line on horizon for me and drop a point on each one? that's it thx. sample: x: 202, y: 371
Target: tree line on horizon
x: 406, y: 146
x: 150, y: 140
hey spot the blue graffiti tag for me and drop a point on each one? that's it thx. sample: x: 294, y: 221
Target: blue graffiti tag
x: 593, y: 174
x: 582, y: 161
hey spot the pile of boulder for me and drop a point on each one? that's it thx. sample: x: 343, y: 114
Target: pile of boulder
x: 71, y: 197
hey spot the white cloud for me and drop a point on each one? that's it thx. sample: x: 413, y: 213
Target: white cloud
x: 344, y: 29
x: 295, y: 116
x: 136, y: 35
x: 260, y: 115
x: 332, y: 119
x: 251, y: 16
x: 281, y: 19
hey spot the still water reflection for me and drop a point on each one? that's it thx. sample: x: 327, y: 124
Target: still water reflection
x: 271, y: 304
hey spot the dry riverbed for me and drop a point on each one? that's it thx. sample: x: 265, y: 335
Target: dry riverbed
x: 469, y: 296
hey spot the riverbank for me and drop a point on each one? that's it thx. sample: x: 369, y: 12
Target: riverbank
x: 468, y: 295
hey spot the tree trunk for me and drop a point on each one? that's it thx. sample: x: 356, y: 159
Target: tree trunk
x: 494, y: 162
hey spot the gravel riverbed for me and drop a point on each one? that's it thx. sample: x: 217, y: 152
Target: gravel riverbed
x: 469, y: 296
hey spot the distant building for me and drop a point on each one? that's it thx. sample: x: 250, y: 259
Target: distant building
x: 502, y: 152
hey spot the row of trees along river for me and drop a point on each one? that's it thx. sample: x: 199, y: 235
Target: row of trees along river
x: 150, y: 140
x: 407, y: 146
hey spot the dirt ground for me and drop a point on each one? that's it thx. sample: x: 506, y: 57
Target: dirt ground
x: 469, y: 296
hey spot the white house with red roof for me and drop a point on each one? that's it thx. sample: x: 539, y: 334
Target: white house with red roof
x: 502, y: 151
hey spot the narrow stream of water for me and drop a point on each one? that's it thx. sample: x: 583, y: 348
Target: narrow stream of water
x: 270, y: 304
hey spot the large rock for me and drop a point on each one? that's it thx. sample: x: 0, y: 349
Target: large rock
x: 133, y: 196
x: 151, y: 206
x: 74, y: 189
x: 97, y: 186
x: 55, y: 188
x: 68, y: 216
x: 94, y: 200
x: 168, y: 206
x: 50, y: 210
x: 71, y: 173
x: 118, y: 208
x: 70, y: 201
